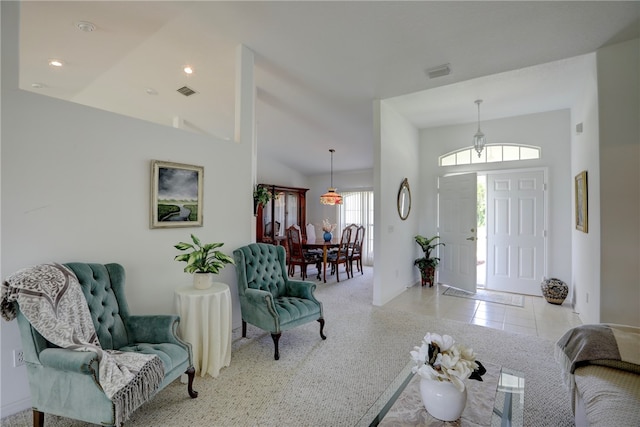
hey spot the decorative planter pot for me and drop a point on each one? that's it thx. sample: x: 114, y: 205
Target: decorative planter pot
x: 427, y: 275
x: 327, y: 236
x: 442, y: 399
x: 202, y: 280
x: 554, y: 290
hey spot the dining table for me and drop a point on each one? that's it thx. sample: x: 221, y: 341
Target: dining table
x: 325, y: 246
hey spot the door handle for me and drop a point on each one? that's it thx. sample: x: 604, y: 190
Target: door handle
x: 471, y: 238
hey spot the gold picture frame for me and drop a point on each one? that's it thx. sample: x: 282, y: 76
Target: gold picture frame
x: 582, y: 202
x: 176, y: 195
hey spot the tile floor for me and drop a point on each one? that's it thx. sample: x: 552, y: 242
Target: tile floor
x: 537, y: 317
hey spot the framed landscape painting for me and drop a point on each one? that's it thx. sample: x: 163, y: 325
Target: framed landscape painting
x: 176, y: 194
x: 581, y: 190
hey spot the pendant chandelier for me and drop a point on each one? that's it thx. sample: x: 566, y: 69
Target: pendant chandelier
x: 331, y: 197
x: 479, y: 140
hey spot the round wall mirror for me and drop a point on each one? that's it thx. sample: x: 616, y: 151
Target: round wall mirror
x: 404, y: 200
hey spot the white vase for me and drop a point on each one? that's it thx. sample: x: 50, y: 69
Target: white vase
x: 202, y: 280
x: 442, y: 399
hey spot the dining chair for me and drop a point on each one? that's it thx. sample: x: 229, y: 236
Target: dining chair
x: 268, y: 227
x: 355, y: 253
x: 298, y: 256
x: 311, y: 238
x: 341, y: 254
x: 290, y: 267
x: 311, y: 232
x: 353, y: 228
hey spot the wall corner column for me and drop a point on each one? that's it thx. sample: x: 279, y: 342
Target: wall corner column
x: 245, y: 128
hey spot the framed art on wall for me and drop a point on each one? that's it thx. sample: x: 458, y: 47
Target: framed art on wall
x: 176, y: 194
x: 581, y: 191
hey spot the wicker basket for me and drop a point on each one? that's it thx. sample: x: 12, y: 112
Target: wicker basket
x: 554, y: 290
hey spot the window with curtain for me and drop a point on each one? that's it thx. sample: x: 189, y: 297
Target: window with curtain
x: 357, y: 208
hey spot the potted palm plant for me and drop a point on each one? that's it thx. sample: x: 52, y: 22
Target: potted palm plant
x: 427, y: 264
x: 203, y: 260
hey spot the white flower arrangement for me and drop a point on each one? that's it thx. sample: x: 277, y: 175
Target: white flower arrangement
x: 440, y: 358
x: 327, y: 226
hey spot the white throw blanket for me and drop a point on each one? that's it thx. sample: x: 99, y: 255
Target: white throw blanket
x: 50, y: 297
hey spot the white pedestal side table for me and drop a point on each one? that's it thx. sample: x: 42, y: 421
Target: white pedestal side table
x: 205, y: 323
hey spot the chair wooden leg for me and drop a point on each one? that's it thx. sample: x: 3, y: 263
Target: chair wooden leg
x: 191, y: 373
x: 276, y: 338
x: 244, y: 329
x: 322, y: 335
x: 38, y: 418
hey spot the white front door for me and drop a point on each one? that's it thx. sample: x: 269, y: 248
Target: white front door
x: 515, y: 231
x: 457, y: 223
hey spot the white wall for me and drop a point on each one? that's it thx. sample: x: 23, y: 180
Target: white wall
x: 619, y: 114
x: 548, y: 130
x: 396, y: 157
x: 585, y: 155
x: 76, y: 187
x: 271, y: 171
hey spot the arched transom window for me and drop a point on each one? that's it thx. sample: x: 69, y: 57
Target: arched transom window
x: 492, y: 153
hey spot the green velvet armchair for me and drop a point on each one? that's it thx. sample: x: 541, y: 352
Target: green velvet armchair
x: 268, y: 299
x: 64, y: 382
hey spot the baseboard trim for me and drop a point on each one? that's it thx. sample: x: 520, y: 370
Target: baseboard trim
x: 15, y: 407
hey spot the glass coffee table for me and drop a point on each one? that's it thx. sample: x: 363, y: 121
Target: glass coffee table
x: 508, y: 406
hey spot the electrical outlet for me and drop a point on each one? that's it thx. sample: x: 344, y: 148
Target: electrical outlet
x: 18, y: 358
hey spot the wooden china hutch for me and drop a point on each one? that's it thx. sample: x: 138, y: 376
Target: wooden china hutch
x: 287, y: 207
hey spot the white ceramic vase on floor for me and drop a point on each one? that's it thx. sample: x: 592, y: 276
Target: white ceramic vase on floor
x: 442, y: 399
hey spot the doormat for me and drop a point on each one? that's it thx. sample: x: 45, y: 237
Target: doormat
x: 488, y: 296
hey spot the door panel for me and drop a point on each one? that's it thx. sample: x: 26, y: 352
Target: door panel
x: 457, y: 222
x: 515, y: 231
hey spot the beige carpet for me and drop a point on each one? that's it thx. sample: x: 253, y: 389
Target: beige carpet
x: 335, y: 382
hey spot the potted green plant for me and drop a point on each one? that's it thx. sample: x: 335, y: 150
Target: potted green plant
x: 203, y: 260
x: 261, y: 196
x: 427, y: 264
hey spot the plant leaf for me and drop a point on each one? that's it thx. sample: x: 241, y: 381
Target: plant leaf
x: 183, y: 246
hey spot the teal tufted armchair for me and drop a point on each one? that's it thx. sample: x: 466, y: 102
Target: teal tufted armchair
x: 64, y: 382
x: 268, y: 299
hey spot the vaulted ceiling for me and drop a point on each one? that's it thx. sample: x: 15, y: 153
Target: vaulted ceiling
x: 319, y: 65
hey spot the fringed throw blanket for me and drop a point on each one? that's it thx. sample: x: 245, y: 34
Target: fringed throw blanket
x: 50, y: 297
x: 616, y: 346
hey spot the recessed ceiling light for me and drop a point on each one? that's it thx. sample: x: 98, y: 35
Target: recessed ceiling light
x: 187, y: 69
x: 37, y: 85
x: 55, y: 63
x: 85, y: 26
x: 151, y: 91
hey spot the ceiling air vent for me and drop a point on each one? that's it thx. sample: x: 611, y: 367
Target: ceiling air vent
x: 186, y: 91
x: 439, y: 71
